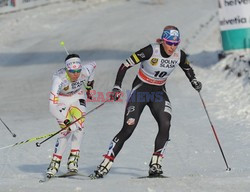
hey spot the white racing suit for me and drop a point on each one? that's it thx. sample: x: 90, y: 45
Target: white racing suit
x: 67, y: 101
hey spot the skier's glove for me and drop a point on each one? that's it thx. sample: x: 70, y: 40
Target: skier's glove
x: 72, y: 127
x: 66, y: 122
x: 116, y: 93
x: 89, y: 94
x: 196, y: 85
x: 89, y: 87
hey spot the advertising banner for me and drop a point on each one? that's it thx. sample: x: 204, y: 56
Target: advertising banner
x: 235, y: 24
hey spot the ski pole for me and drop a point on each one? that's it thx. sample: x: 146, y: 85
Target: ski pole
x: 38, y: 144
x: 63, y: 45
x: 216, y: 137
x: 27, y: 141
x: 13, y: 134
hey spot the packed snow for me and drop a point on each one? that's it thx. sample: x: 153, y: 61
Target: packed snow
x: 109, y: 31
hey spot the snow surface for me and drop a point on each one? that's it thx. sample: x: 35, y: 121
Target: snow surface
x: 108, y: 33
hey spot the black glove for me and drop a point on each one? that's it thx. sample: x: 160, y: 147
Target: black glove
x: 116, y: 93
x: 90, y: 85
x: 196, y: 85
x: 66, y: 122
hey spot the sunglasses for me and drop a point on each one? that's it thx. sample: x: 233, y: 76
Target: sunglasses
x: 170, y: 43
x: 75, y: 71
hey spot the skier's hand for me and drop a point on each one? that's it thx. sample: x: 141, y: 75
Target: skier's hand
x: 72, y: 127
x: 89, y: 87
x: 196, y: 85
x: 89, y: 94
x: 116, y: 93
x: 66, y: 122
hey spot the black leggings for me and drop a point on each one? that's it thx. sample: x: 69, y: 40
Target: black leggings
x: 156, y: 99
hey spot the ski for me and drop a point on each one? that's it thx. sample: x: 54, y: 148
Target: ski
x: 152, y: 177
x: 45, y: 179
x: 68, y: 174
x: 64, y: 175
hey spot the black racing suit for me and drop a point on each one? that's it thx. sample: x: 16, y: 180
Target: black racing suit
x: 142, y: 94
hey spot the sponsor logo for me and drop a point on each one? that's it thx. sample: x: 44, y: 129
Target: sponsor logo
x: 142, y: 55
x: 168, y: 108
x: 131, y: 121
x: 187, y: 62
x: 174, y: 33
x: 62, y: 109
x: 154, y: 61
x: 82, y: 102
x: 235, y: 2
x: 77, y: 84
x: 233, y: 21
x: 168, y: 63
x: 111, y: 145
x: 137, y: 60
x: 66, y: 88
x: 116, y: 140
x: 130, y: 109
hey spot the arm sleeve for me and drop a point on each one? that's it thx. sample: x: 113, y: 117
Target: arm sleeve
x: 137, y: 57
x: 54, y: 99
x: 90, y: 68
x: 185, y: 65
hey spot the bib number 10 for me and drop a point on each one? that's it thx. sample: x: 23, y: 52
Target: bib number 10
x: 160, y: 74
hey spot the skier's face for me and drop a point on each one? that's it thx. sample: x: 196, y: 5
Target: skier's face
x: 74, y: 74
x: 169, y: 47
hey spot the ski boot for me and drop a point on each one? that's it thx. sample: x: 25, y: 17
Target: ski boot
x: 53, y: 166
x: 155, y: 166
x: 73, y: 161
x: 103, y: 168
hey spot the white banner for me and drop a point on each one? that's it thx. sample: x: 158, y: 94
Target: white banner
x: 234, y: 14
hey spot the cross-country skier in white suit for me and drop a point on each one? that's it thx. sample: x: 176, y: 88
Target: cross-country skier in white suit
x: 67, y: 103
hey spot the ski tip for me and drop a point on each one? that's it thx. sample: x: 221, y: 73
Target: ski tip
x: 46, y: 178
